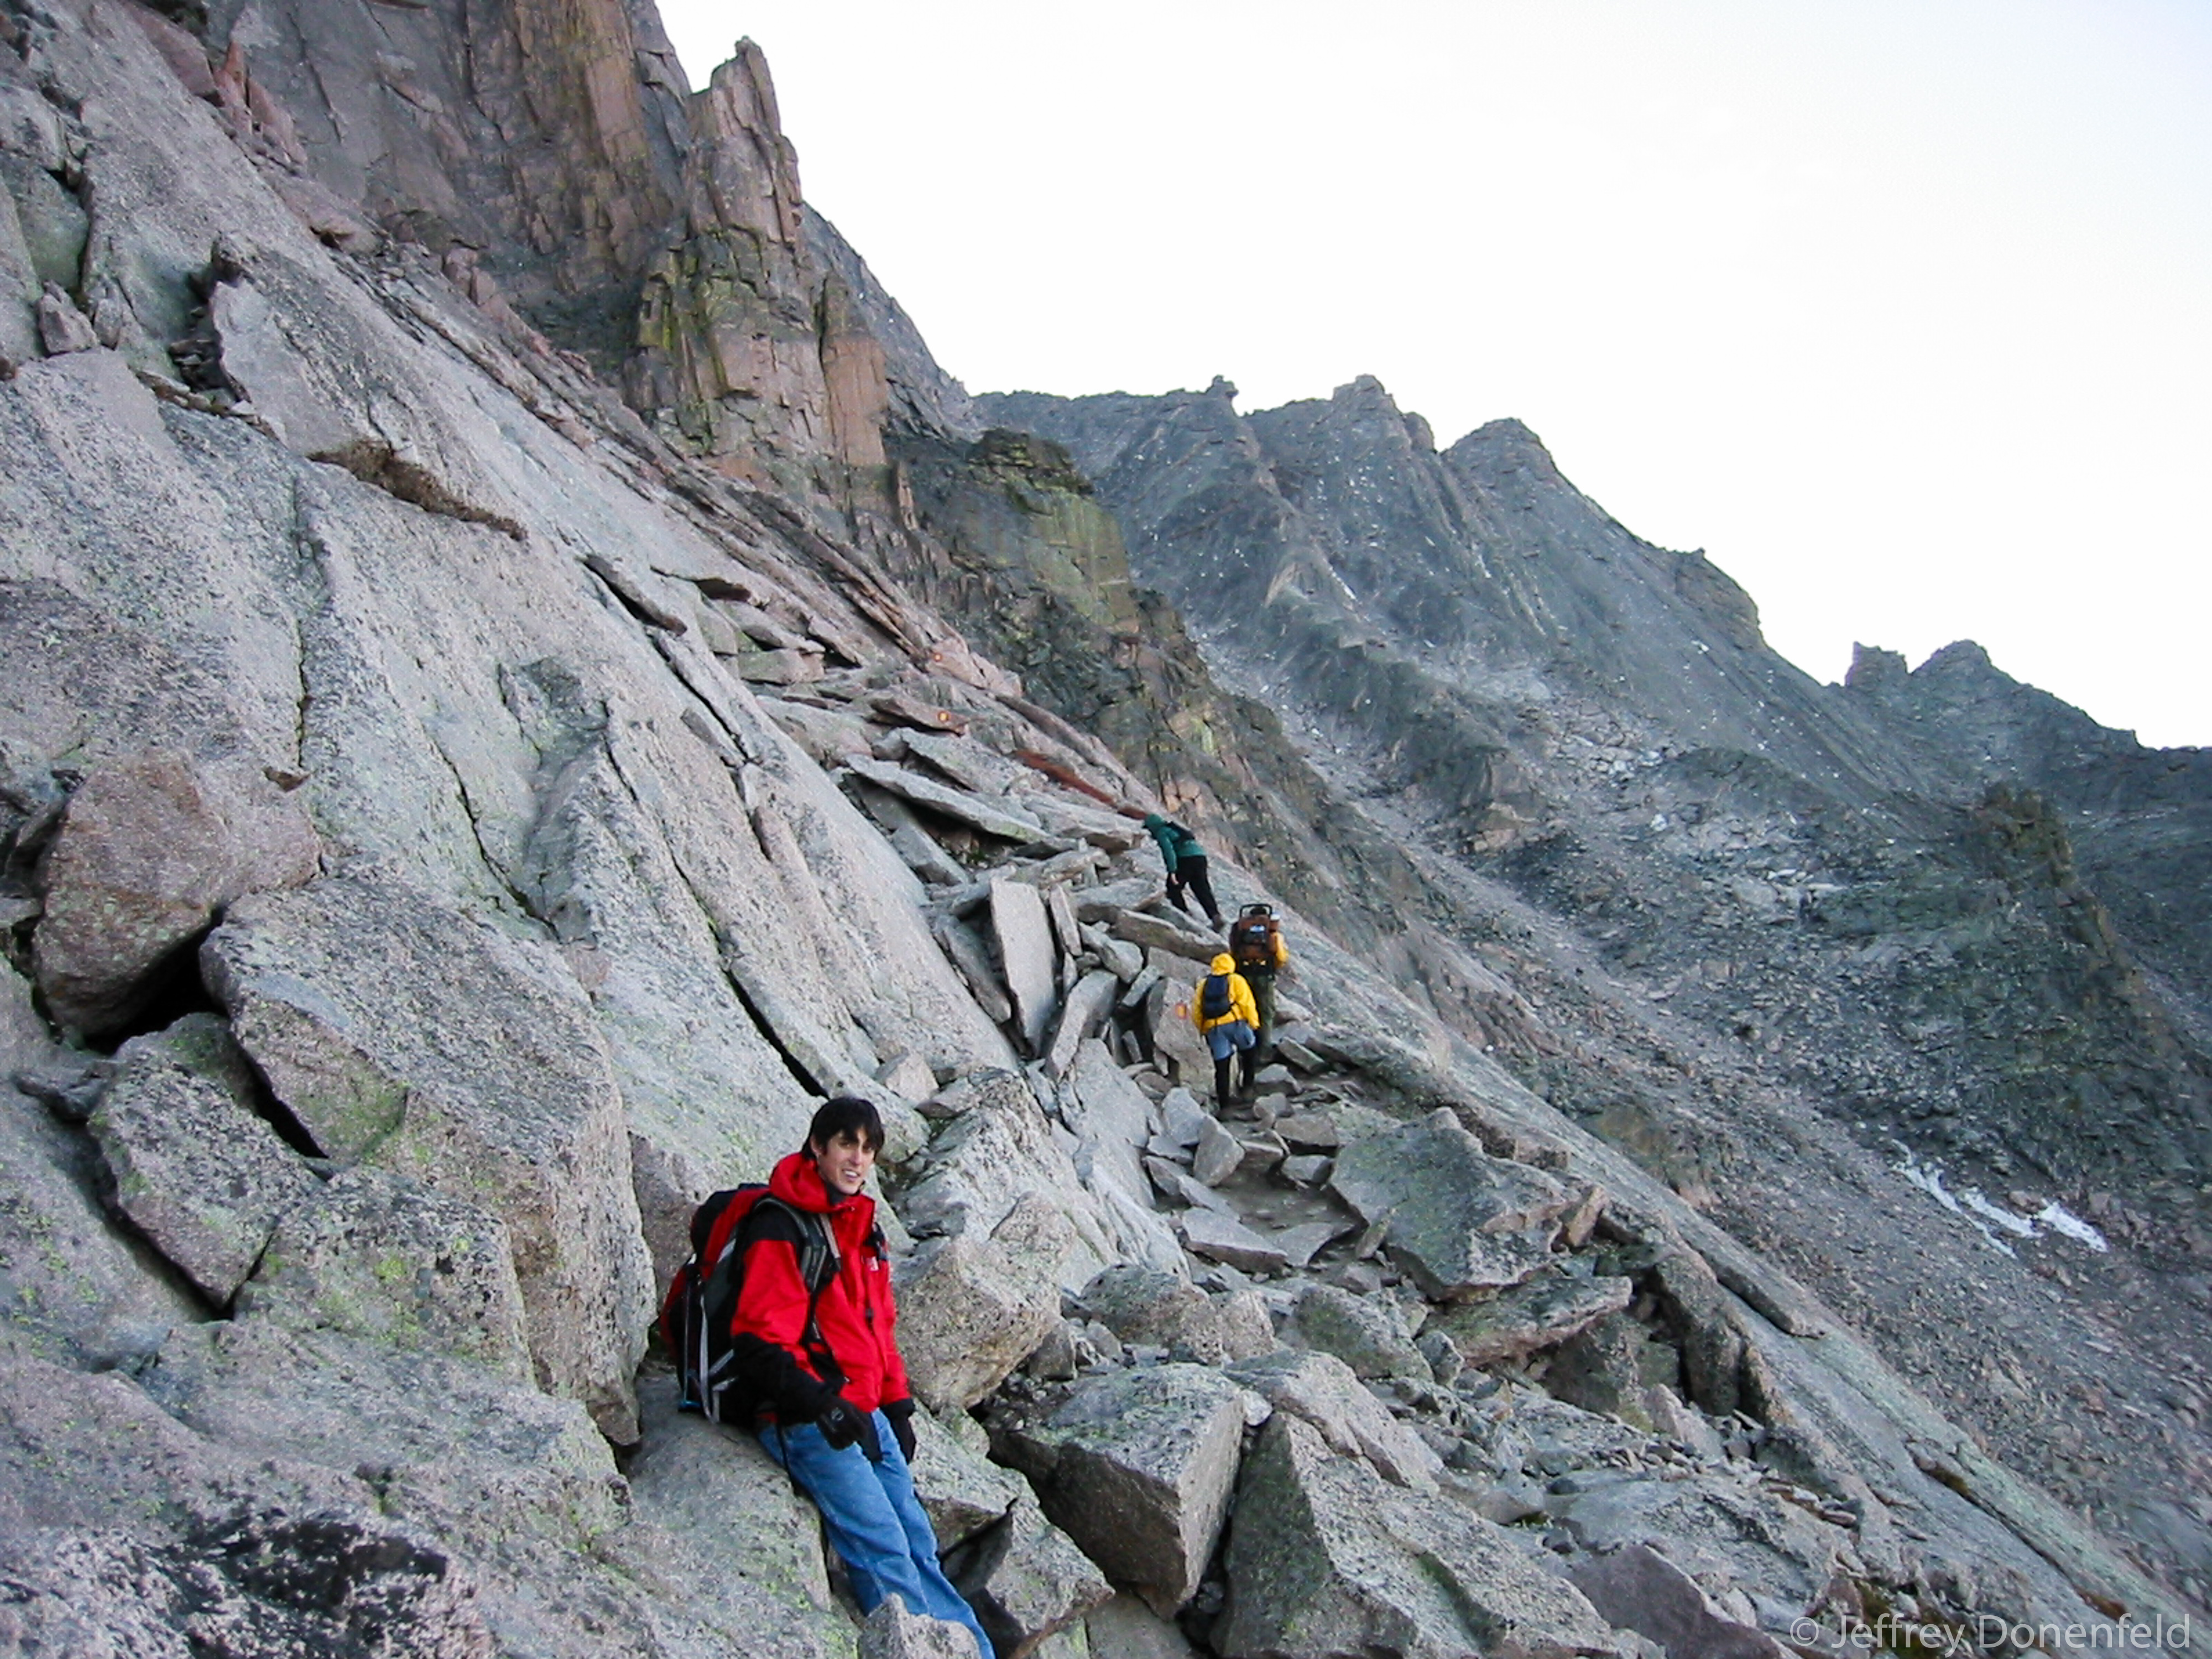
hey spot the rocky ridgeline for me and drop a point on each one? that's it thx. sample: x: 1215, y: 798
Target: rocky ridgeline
x: 452, y: 819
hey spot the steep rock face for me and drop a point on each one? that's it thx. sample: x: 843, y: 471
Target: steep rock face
x: 590, y: 927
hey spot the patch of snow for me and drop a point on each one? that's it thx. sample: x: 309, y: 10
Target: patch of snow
x: 1988, y: 1218
x: 2060, y: 1219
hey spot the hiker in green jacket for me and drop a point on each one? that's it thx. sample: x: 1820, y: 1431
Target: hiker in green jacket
x: 1186, y: 862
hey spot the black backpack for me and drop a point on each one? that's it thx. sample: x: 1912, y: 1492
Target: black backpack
x: 1213, y: 996
x: 702, y: 1305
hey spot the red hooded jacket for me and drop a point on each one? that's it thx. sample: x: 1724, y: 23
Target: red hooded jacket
x: 855, y: 1315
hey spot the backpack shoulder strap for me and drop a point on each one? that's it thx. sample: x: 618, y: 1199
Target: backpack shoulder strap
x: 818, y: 1266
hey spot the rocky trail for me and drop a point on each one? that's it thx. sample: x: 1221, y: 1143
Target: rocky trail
x: 519, y: 676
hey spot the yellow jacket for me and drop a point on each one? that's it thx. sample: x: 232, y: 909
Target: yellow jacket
x: 1241, y: 1006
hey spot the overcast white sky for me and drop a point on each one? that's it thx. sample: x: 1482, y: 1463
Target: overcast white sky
x: 1900, y: 309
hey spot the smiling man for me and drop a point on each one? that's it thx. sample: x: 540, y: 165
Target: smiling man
x: 815, y: 1336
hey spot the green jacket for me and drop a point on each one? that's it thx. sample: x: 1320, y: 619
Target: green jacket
x: 1176, y: 843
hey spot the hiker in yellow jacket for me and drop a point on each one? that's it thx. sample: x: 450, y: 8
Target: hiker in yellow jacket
x: 1222, y: 1010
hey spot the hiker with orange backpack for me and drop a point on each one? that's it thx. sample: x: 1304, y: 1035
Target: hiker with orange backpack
x: 1222, y: 1010
x: 1256, y: 945
x: 808, y: 1357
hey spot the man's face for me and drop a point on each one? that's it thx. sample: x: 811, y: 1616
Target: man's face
x: 843, y: 1163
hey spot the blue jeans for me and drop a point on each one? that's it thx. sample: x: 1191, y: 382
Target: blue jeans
x: 874, y: 1522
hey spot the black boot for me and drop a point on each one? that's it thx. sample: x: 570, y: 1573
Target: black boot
x: 1221, y: 1087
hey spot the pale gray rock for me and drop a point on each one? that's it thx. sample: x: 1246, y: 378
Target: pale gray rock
x: 1081, y: 1015
x: 777, y: 667
x: 1123, y: 960
x: 918, y: 848
x: 1303, y: 1243
x: 960, y: 1489
x: 1639, y: 1589
x: 150, y: 848
x: 907, y: 1075
x: 972, y: 1309
x: 127, y: 1532
x: 106, y: 1595
x: 62, y: 327
x: 375, y: 1255
x: 1459, y: 1219
x: 1179, y: 1186
x: 204, y: 1178
x: 1216, y: 1156
x: 1263, y: 1151
x: 831, y: 737
x: 1137, y: 1466
x: 1539, y: 1314
x: 1107, y: 900
x: 1367, y: 1333
x: 1685, y: 1423
x: 1307, y: 1169
x: 997, y: 1148
x: 1221, y: 1237
x: 1112, y: 1119
x: 1312, y: 1132
x: 574, y: 1560
x: 965, y: 949
x: 1066, y: 931
x: 1026, y: 957
x: 1323, y: 1391
x: 1248, y: 1330
x: 1721, y: 1531
x: 997, y: 818
x: 1178, y: 1040
x: 891, y: 1633
x: 764, y: 1581
x: 1184, y: 1119
x: 1327, y: 1558
x: 1125, y: 1628
x: 1180, y: 940
x: 394, y: 1028
x: 75, y: 1290
x: 1026, y: 1580
x: 968, y: 763
x: 1146, y: 1306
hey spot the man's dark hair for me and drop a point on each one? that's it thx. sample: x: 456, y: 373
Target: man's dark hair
x: 846, y: 1114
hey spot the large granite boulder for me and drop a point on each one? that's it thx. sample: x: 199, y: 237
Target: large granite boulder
x: 960, y: 1489
x: 1326, y: 1559
x: 75, y: 1288
x: 1322, y: 1391
x: 1459, y: 1220
x: 125, y: 1531
x: 998, y: 1148
x: 735, y: 1522
x: 151, y: 846
x: 1028, y: 959
x: 377, y: 1256
x: 891, y: 1633
x: 1639, y: 1589
x: 1137, y: 1466
x: 395, y: 1029
x: 1026, y: 1580
x: 198, y: 1172
x: 1368, y: 1332
x: 1540, y: 1313
x: 973, y: 1308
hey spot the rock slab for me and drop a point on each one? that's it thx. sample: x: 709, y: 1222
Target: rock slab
x: 399, y: 1031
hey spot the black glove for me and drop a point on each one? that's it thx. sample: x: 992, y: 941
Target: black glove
x: 843, y: 1424
x: 901, y: 1414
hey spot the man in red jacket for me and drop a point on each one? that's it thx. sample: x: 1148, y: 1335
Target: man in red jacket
x: 836, y: 1412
